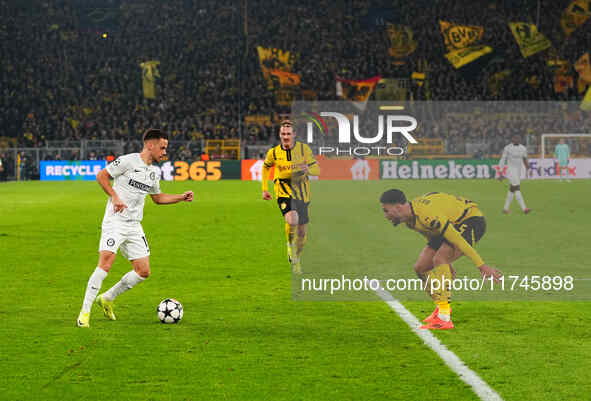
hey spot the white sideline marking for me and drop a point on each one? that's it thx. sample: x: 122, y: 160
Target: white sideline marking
x: 467, y: 375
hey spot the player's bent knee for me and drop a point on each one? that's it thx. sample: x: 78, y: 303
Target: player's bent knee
x: 440, y: 260
x: 291, y: 218
x: 142, y: 271
x: 421, y: 268
x: 106, y: 260
x: 142, y: 267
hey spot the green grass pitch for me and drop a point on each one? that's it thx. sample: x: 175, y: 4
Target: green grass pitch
x: 243, y: 337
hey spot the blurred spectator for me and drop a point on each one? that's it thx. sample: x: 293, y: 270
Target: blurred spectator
x: 2, y: 169
x: 65, y: 78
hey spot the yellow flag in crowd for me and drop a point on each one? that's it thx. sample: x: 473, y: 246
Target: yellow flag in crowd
x: 460, y: 36
x: 285, y: 78
x: 276, y: 65
x: 460, y: 58
x: 462, y: 43
x: 285, y: 84
x: 149, y: 74
x: 272, y: 58
x: 586, y: 103
x: 575, y: 15
x: 528, y: 38
x: 583, y: 68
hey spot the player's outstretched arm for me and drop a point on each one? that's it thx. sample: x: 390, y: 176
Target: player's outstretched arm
x: 167, y: 199
x: 104, y: 180
x: 488, y: 271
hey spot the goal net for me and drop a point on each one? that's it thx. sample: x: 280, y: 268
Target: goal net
x: 578, y: 144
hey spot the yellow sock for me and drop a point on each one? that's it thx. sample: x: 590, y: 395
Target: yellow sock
x: 444, y: 307
x: 442, y: 294
x: 444, y: 311
x: 300, y: 242
x: 442, y: 276
x: 290, y: 233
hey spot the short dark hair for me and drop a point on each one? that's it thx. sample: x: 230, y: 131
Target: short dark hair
x: 154, y: 133
x: 393, y: 196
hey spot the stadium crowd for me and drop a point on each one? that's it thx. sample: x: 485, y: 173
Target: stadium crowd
x: 68, y: 74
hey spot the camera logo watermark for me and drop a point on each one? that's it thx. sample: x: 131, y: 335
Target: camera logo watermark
x: 352, y: 142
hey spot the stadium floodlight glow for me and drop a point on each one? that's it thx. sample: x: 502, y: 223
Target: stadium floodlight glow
x: 544, y: 136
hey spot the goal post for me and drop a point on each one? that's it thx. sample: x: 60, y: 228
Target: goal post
x: 586, y: 140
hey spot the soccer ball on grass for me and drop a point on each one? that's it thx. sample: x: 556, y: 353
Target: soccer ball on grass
x: 170, y: 311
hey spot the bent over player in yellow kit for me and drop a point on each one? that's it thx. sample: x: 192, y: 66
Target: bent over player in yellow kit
x: 293, y: 162
x: 452, y: 226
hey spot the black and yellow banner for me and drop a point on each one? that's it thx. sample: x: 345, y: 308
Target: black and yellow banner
x: 583, y: 68
x: 586, y: 103
x: 149, y: 75
x: 575, y: 15
x: 276, y: 65
x: 272, y: 58
x: 528, y: 38
x: 460, y: 36
x: 284, y: 79
x: 402, y: 43
x: 462, y: 43
x: 459, y: 58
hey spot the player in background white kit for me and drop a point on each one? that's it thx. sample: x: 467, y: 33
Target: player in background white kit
x: 134, y: 178
x: 515, y: 157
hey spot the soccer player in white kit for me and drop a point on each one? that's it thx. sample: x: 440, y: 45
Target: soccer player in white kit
x: 515, y: 158
x: 134, y: 177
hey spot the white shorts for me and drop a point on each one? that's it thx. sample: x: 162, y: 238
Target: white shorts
x: 127, y: 236
x: 514, y: 176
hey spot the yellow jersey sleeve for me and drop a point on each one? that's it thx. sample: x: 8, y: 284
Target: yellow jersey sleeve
x: 314, y: 168
x: 455, y: 238
x: 267, y: 165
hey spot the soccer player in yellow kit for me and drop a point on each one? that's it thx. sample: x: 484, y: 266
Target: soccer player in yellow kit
x: 293, y: 162
x: 452, y: 226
